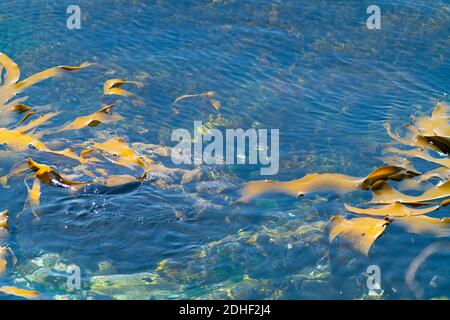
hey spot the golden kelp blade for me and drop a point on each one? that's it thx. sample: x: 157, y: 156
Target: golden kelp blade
x: 322, y: 181
x: 20, y: 141
x: 427, y: 139
x: 103, y: 115
x: 27, y: 116
x: 13, y: 105
x: 394, y: 210
x: 27, y: 294
x: 440, y: 119
x: 386, y: 172
x: 384, y: 193
x: 12, y: 70
x: 309, y: 183
x: 125, y: 155
x: 426, y: 225
x: 34, y: 193
x: 49, y: 176
x: 437, y: 124
x: 112, y: 87
x: 208, y: 94
x: 3, y: 261
x: 422, y: 155
x: 360, y: 232
x: 4, y: 219
x: 34, y: 197
x: 49, y: 73
x: 36, y: 122
x: 11, y: 86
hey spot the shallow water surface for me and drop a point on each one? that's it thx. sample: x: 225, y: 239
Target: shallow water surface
x: 310, y: 68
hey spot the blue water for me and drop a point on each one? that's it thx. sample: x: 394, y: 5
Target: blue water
x: 310, y: 68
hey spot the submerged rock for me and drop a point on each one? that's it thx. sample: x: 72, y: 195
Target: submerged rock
x: 49, y: 270
x: 105, y: 267
x: 145, y: 285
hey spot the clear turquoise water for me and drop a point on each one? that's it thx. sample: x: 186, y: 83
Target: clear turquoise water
x: 310, y: 68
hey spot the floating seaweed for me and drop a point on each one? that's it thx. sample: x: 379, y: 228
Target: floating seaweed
x: 23, y: 293
x: 112, y: 87
x: 216, y: 104
x: 425, y: 135
x: 104, y: 115
x: 98, y: 159
x: 360, y: 232
x: 395, y: 209
x: 11, y: 85
x: 323, y: 181
x: 5, y: 250
x: 209, y: 94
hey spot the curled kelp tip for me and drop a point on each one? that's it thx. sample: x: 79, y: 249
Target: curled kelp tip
x: 49, y: 176
x: 104, y: 115
x: 412, y: 138
x: 23, y: 293
x: 209, y: 95
x: 20, y: 108
x: 11, y: 85
x: 441, y: 173
x: 113, y: 87
x: 383, y: 193
x: 12, y: 71
x: 46, y: 74
x: 395, y: 209
x: 385, y: 173
x: 361, y: 233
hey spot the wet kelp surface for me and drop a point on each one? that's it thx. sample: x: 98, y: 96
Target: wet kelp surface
x: 87, y: 178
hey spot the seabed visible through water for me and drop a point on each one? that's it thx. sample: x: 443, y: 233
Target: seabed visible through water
x: 90, y: 188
